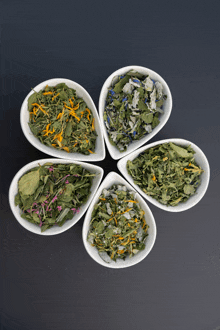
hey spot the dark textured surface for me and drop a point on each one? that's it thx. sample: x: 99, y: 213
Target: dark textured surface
x: 51, y: 282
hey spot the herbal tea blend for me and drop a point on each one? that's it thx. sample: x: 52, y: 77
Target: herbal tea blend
x: 133, y: 105
x: 60, y: 119
x: 118, y: 227
x: 50, y: 194
x: 166, y: 172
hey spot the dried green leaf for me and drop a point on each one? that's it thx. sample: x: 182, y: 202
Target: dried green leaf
x: 28, y: 183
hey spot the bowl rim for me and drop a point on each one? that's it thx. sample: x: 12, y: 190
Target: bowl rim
x: 114, y: 152
x: 116, y: 177
x: 59, y: 153
x: 13, y: 190
x: 182, y: 206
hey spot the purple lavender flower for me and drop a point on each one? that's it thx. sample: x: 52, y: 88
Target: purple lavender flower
x: 59, y: 208
x: 67, y: 182
x: 51, y: 169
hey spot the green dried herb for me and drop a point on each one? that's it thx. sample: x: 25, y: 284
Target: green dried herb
x: 133, y: 105
x: 50, y: 194
x: 61, y: 120
x: 166, y: 172
x: 118, y: 227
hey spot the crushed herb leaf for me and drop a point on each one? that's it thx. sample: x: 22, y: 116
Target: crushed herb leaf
x: 132, y: 109
x: 61, y: 120
x: 50, y: 194
x: 166, y: 172
x: 118, y: 228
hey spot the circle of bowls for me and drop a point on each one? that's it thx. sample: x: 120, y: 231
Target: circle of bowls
x: 167, y: 107
x: 81, y: 92
x: 110, y: 179
x: 13, y: 190
x: 200, y: 159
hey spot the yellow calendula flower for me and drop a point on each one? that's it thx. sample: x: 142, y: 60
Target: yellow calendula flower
x: 74, y: 108
x: 53, y: 98
x: 66, y: 149
x: 125, y: 243
x: 35, y: 110
x: 93, y: 124
x: 75, y: 144
x: 154, y: 178
x: 47, y: 131
x: 90, y: 151
x: 59, y: 136
x: 48, y: 93
x: 71, y: 102
x: 40, y: 107
x: 60, y: 114
x: 120, y: 251
x: 88, y: 113
x: 72, y: 113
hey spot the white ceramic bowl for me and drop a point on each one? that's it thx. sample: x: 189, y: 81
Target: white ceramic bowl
x: 167, y: 107
x: 114, y: 178
x: 13, y: 190
x: 81, y: 92
x: 200, y: 159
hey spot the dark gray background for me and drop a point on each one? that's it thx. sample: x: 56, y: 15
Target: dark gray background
x: 51, y: 282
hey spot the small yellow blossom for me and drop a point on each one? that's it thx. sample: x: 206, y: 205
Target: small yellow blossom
x: 48, y: 93
x: 53, y: 98
x: 59, y: 136
x: 66, y: 149
x: 93, y: 124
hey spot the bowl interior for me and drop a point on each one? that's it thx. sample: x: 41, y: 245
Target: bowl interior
x: 114, y: 178
x: 81, y: 92
x: 167, y: 107
x: 200, y: 159
x: 69, y: 223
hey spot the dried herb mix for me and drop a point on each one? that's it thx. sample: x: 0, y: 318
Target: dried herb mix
x: 133, y: 105
x: 50, y: 194
x: 166, y: 172
x: 60, y: 119
x: 118, y: 227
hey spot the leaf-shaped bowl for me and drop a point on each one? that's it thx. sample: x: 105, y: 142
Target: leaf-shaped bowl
x: 114, y: 178
x: 167, y: 107
x: 200, y: 159
x: 13, y: 190
x: 81, y: 92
